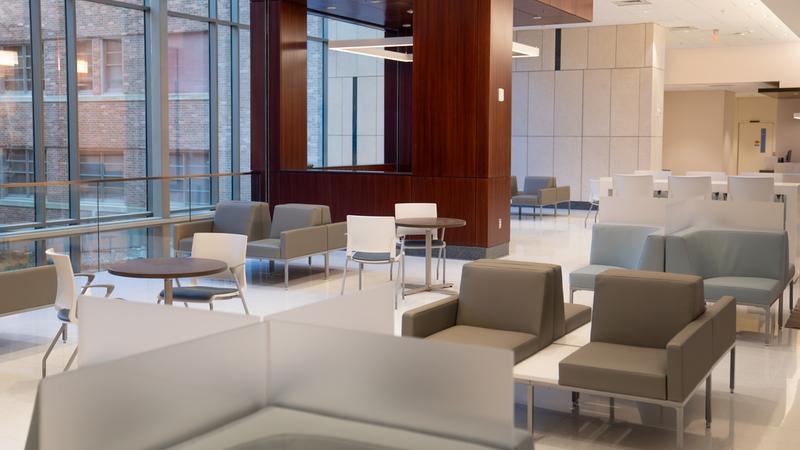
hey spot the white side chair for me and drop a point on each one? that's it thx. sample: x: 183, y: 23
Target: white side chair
x: 716, y: 177
x: 685, y: 188
x: 633, y: 186
x: 753, y: 189
x: 228, y: 248
x: 594, y: 199
x: 657, y: 174
x: 372, y: 240
x: 66, y: 303
x: 421, y: 210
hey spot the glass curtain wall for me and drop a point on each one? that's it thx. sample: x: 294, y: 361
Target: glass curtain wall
x: 345, y: 97
x: 74, y: 80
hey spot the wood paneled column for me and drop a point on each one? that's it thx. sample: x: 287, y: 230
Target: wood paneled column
x: 461, y: 129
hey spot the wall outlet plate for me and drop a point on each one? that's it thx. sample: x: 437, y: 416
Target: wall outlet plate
x: 501, y: 95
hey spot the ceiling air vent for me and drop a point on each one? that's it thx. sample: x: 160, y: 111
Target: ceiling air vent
x: 631, y: 2
x: 684, y: 28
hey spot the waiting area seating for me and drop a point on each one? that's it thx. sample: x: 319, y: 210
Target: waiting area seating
x: 234, y: 217
x: 513, y: 305
x: 539, y: 191
x: 619, y: 246
x: 652, y: 340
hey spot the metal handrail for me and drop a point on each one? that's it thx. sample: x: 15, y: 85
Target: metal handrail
x: 120, y: 180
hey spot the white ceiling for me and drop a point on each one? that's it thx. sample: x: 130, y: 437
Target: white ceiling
x: 740, y: 22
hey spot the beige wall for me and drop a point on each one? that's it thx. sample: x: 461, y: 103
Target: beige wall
x: 787, y: 131
x: 699, y: 130
x: 761, y: 108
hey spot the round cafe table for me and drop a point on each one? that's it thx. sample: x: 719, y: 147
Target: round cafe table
x: 168, y: 269
x: 430, y: 224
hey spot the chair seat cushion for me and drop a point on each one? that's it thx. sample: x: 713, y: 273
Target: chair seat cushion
x: 198, y: 293
x: 371, y: 257
x: 420, y: 243
x: 617, y: 369
x: 752, y: 290
x: 522, y: 344
x: 576, y: 316
x: 583, y: 278
x: 63, y: 315
x: 525, y: 200
x: 265, y: 248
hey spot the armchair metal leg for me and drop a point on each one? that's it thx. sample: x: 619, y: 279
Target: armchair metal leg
x: 444, y: 266
x: 210, y: 306
x: 572, y: 295
x: 271, y: 266
x: 611, y: 410
x: 708, y: 401
x: 391, y: 271
x: 286, y: 275
x: 679, y: 427
x: 733, y: 369
x: 767, y: 320
x: 530, y: 408
x: 309, y: 261
x: 519, y: 213
x: 71, y: 359
x: 327, y: 264
x: 438, y: 261
x: 50, y: 348
x: 780, y: 312
x: 64, y: 335
x: 360, y: 270
x: 344, y: 273
x: 403, y: 277
x: 791, y: 296
x: 569, y: 208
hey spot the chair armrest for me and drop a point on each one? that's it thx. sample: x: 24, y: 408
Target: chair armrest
x: 89, y: 276
x: 337, y: 235
x: 548, y: 196
x: 563, y: 194
x: 108, y: 287
x: 303, y: 242
x: 429, y: 319
x: 723, y: 319
x: 689, y: 357
x: 188, y: 229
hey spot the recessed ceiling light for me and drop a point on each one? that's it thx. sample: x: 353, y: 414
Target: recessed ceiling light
x: 406, y: 25
x: 375, y: 1
x: 410, y: 11
x: 331, y: 7
x: 537, y: 17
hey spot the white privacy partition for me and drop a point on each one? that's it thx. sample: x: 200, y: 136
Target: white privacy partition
x: 112, y: 329
x: 720, y: 214
x: 634, y: 211
x: 370, y: 310
x: 155, y: 399
x: 435, y: 387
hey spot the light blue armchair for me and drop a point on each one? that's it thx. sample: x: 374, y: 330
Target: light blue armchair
x: 752, y: 266
x: 619, y: 246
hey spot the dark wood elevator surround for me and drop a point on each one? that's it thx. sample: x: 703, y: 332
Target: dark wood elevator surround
x: 453, y: 126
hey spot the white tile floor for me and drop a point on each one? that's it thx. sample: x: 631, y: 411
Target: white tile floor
x: 763, y: 413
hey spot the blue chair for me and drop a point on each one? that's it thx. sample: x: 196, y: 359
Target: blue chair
x: 619, y: 246
x: 751, y: 265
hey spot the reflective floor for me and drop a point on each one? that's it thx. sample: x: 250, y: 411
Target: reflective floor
x: 763, y: 413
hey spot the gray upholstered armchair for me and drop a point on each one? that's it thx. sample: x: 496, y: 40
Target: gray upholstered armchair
x: 299, y: 231
x: 234, y: 217
x: 751, y: 265
x: 653, y: 340
x: 539, y: 191
x: 619, y: 246
x: 512, y: 305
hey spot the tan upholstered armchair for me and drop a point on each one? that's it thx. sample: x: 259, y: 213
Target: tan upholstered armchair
x: 539, y: 191
x: 653, y: 340
x: 512, y: 305
x: 234, y: 217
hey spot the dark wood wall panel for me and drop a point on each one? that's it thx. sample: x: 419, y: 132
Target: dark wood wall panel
x: 397, y: 114
x: 258, y: 96
x: 455, y: 197
x: 498, y: 195
x: 498, y: 156
x: 288, y: 89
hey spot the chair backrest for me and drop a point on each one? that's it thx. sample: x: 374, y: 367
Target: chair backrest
x: 644, y: 309
x: 324, y: 210
x: 711, y: 252
x: 66, y: 292
x: 414, y: 210
x: 753, y: 189
x: 633, y: 186
x: 228, y: 248
x: 292, y: 216
x: 514, y: 186
x: 242, y: 217
x: 685, y: 188
x: 509, y: 296
x: 628, y: 246
x: 594, y: 190
x: 371, y: 234
x: 535, y: 184
x: 715, y: 176
x: 657, y: 174
x: 790, y: 177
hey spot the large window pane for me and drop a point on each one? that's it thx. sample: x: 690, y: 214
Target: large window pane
x: 244, y: 111
x: 112, y: 114
x: 16, y: 116
x: 224, y: 105
x: 195, y: 7
x: 189, y: 112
